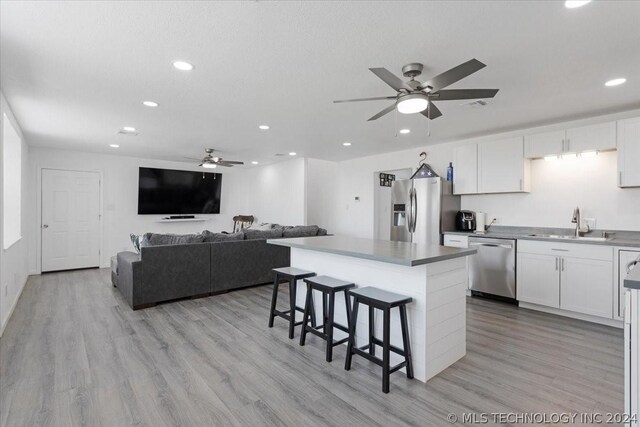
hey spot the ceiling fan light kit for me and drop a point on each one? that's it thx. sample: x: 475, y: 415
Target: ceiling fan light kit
x: 415, y: 97
x: 211, y: 162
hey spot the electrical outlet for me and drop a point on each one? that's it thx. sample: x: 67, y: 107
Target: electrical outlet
x: 590, y: 222
x: 6, y: 290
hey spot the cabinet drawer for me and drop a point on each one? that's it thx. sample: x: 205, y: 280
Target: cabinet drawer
x: 456, y: 241
x: 576, y: 250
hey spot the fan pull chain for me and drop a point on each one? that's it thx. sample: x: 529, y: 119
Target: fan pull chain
x: 396, y: 119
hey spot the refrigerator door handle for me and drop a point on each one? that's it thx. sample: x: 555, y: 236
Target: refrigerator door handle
x: 408, y: 212
x: 414, y: 213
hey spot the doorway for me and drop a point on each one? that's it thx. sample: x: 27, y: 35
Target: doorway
x: 70, y: 226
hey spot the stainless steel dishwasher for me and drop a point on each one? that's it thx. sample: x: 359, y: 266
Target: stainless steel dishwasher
x: 493, y: 268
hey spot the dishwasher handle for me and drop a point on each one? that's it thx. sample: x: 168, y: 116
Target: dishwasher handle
x: 492, y: 245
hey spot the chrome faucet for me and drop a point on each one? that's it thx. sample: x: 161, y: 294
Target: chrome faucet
x: 576, y: 220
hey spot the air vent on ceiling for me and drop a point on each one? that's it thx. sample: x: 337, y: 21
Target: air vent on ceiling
x: 278, y: 154
x: 475, y: 104
x: 127, y: 133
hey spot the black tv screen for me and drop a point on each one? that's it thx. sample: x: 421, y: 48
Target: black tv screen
x: 175, y: 192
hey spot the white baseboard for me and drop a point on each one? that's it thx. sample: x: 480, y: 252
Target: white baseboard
x: 13, y: 307
x: 573, y: 315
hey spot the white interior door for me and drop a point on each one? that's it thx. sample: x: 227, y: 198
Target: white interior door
x: 70, y: 219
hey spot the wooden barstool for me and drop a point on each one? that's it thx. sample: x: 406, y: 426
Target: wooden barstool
x: 329, y: 287
x: 290, y: 275
x: 385, y: 301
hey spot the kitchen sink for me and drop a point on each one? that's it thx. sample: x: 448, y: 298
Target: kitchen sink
x: 567, y: 237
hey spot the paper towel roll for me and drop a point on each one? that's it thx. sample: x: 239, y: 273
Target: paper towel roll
x: 480, y: 221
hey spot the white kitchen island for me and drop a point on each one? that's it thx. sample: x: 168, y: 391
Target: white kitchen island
x: 434, y: 276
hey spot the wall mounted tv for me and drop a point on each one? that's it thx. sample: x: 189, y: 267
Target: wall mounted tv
x: 175, y: 192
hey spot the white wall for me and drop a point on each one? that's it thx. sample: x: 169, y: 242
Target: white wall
x: 13, y: 260
x: 321, y: 182
x: 276, y: 193
x: 557, y: 187
x: 120, y: 199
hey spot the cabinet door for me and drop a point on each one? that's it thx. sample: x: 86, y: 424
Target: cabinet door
x: 538, y: 279
x: 590, y: 138
x: 544, y: 144
x: 465, y: 172
x: 629, y: 152
x: 501, y: 166
x: 586, y: 286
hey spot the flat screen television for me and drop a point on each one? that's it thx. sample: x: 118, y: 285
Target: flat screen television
x: 176, y: 192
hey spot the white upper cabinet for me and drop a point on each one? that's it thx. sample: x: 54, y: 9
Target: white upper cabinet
x: 465, y: 172
x: 598, y: 137
x: 629, y: 152
x: 502, y: 167
x: 544, y: 144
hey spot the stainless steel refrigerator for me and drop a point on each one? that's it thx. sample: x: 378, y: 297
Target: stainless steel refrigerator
x: 422, y: 209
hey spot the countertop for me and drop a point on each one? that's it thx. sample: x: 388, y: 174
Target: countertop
x: 402, y: 253
x: 618, y: 238
x: 632, y: 281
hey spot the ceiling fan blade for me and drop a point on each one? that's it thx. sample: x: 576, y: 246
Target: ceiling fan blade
x: 192, y: 158
x: 387, y: 110
x: 391, y: 79
x: 225, y: 164
x: 451, y: 94
x: 453, y: 75
x: 230, y: 162
x: 364, y: 99
x: 432, y: 112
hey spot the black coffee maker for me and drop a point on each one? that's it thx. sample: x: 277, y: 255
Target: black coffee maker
x: 466, y: 221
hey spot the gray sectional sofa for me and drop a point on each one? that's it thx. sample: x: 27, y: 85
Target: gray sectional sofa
x: 164, y: 272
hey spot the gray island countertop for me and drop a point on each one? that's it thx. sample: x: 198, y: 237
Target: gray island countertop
x: 402, y: 253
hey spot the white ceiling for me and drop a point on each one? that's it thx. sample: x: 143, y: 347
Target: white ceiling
x: 75, y: 72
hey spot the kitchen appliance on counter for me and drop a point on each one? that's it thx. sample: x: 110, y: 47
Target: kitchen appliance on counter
x: 466, y: 221
x: 492, y: 271
x: 422, y: 209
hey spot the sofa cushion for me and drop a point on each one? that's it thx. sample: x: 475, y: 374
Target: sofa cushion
x: 251, y: 234
x: 157, y: 239
x: 261, y: 226
x: 301, y: 231
x: 222, y: 237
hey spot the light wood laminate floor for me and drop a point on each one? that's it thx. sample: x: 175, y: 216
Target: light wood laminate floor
x: 75, y: 354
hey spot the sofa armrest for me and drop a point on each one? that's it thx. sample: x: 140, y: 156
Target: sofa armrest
x: 129, y: 274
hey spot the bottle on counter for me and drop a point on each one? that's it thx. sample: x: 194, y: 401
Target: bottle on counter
x: 450, y: 172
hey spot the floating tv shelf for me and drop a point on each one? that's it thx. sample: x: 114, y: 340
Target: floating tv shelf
x: 196, y: 219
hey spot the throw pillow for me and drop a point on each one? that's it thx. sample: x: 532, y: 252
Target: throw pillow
x: 301, y: 231
x: 156, y: 239
x: 322, y: 231
x: 261, y: 226
x: 135, y: 240
x: 250, y: 234
x: 222, y: 237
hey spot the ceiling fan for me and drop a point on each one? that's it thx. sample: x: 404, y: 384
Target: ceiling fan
x: 211, y: 162
x: 416, y: 97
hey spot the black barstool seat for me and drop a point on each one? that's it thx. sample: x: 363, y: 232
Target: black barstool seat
x: 329, y: 287
x: 290, y: 275
x: 383, y: 300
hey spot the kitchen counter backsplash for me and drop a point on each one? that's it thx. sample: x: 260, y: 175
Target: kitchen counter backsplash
x: 615, y: 237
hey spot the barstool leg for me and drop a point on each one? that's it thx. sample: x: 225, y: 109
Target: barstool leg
x: 405, y: 340
x: 324, y: 313
x: 386, y: 338
x: 274, y: 298
x: 305, y: 315
x: 329, y: 326
x: 292, y: 305
x: 312, y: 311
x: 347, y: 304
x: 372, y: 346
x: 352, y: 334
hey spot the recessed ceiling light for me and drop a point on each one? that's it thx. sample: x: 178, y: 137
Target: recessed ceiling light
x: 129, y: 128
x: 183, y: 66
x: 254, y: 163
x: 615, y: 82
x: 114, y: 146
x: 150, y: 103
x: 405, y: 131
x: 572, y: 4
x: 346, y: 144
x: 264, y: 127
x: 293, y: 153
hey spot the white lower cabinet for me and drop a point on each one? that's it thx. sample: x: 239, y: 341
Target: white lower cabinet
x: 585, y: 286
x: 538, y: 279
x: 573, y: 277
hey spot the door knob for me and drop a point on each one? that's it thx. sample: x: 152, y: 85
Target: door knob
x: 45, y: 225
